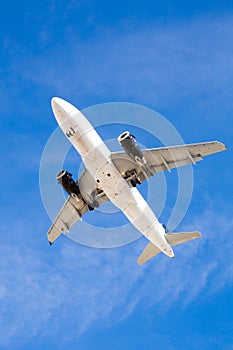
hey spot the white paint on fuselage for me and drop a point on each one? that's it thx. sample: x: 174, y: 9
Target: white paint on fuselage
x: 97, y: 159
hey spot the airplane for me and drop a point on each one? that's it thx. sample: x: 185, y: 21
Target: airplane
x: 114, y: 176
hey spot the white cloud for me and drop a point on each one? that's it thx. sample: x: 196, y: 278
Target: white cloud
x: 50, y: 292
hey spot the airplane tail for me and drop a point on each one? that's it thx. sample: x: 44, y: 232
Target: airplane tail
x: 172, y: 238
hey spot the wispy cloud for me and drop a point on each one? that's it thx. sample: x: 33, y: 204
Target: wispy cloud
x: 75, y: 286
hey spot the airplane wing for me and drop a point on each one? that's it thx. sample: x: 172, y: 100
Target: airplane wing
x: 166, y: 158
x: 72, y: 211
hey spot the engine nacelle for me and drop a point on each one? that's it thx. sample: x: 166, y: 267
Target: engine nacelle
x: 129, y: 144
x: 64, y: 178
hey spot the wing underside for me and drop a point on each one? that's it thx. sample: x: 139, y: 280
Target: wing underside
x: 167, y: 158
x: 72, y: 211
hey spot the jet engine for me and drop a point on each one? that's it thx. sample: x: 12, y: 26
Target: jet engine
x: 129, y: 144
x: 64, y: 178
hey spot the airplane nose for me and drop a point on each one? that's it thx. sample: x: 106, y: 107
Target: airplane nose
x: 55, y: 102
x: 62, y: 109
x: 58, y: 108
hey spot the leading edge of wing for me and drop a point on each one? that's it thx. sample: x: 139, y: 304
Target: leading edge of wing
x: 210, y: 146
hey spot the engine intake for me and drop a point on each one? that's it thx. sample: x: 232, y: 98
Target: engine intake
x: 64, y: 178
x: 129, y: 144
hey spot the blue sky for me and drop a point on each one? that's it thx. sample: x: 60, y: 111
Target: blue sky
x: 175, y: 57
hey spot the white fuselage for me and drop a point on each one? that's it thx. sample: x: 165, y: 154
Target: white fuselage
x: 97, y: 159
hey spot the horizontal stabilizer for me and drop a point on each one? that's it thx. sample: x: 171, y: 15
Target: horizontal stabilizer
x: 149, y: 252
x: 178, y: 238
x: 172, y: 238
